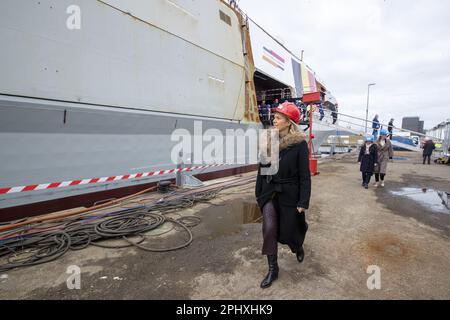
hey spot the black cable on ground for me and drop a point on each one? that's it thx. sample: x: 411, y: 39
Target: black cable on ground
x: 31, y: 245
x: 40, y: 250
x: 188, y: 242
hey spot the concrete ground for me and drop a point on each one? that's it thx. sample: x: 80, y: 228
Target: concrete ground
x: 350, y: 229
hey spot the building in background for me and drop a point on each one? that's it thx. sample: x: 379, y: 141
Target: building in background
x: 413, y: 124
x: 441, y: 131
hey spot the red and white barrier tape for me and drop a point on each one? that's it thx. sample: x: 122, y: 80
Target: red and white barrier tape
x: 98, y: 180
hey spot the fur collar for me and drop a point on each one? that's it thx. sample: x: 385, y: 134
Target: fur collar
x: 292, y: 139
x: 285, y: 142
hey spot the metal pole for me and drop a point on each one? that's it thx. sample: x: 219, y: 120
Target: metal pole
x: 367, y: 108
x: 178, y: 178
x: 311, y: 116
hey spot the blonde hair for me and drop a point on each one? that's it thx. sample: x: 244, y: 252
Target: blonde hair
x: 379, y: 139
x: 293, y: 127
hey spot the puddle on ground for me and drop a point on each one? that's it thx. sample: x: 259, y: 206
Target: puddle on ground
x: 400, y: 158
x: 434, y: 200
x: 227, y: 218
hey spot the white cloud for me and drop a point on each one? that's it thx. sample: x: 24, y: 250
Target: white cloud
x: 403, y: 46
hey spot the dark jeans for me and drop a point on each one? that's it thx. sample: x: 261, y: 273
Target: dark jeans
x: 366, y: 176
x: 378, y: 175
x: 425, y: 157
x: 270, y: 229
x: 375, y: 133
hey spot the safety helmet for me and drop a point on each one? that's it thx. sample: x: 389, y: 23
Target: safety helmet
x: 369, y: 138
x: 290, y: 110
x: 383, y: 132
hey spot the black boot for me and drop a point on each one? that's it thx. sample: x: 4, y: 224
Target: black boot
x: 272, y: 275
x: 300, y: 255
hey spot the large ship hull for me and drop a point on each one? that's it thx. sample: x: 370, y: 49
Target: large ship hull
x: 45, y: 142
x: 93, y: 109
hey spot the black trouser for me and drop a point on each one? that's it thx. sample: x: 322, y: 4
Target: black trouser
x: 378, y: 175
x: 270, y: 229
x: 366, y: 177
x: 425, y: 157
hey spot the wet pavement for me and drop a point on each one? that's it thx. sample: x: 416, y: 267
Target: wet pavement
x: 432, y: 200
x: 399, y: 229
x: 227, y: 218
x: 417, y: 196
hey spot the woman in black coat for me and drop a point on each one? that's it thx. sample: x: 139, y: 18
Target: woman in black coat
x: 368, y: 157
x: 283, y: 197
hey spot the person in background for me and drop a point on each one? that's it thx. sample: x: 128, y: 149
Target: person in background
x: 264, y: 113
x: 298, y: 103
x: 321, y: 111
x: 390, y: 128
x: 375, y: 127
x: 303, y: 111
x: 334, y: 114
x: 428, y: 148
x: 385, y: 153
x: 276, y: 103
x: 261, y: 111
x: 368, y: 158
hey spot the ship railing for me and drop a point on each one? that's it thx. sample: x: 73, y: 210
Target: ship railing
x: 362, y: 123
x: 271, y: 94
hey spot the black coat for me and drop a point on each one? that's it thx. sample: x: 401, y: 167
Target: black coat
x: 368, y: 161
x: 290, y: 189
x: 428, y: 148
x: 390, y: 126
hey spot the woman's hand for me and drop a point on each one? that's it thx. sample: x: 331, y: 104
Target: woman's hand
x: 300, y: 210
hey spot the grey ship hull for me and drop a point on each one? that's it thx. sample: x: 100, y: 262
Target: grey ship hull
x: 103, y: 100
x: 49, y: 141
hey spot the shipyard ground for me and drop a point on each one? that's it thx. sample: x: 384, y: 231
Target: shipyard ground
x: 350, y: 229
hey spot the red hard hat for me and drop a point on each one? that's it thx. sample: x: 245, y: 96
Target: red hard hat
x: 290, y: 110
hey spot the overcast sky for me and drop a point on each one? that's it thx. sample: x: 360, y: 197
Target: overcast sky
x: 401, y: 45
